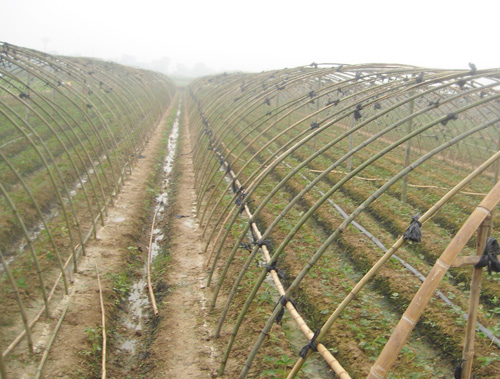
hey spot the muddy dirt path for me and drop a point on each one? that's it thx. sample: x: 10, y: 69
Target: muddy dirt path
x: 176, y: 344
x: 109, y: 252
x: 183, y: 347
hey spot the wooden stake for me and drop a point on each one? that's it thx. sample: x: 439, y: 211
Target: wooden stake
x: 475, y: 290
x: 404, y: 190
x: 150, y: 286
x: 3, y: 369
x: 103, y: 322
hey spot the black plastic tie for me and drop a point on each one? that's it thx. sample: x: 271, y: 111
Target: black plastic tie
x: 489, y: 257
x: 310, y: 345
x: 261, y: 242
x: 473, y: 68
x: 314, y: 125
x: 413, y: 233
x: 434, y: 104
x: 240, y: 199
x: 450, y: 116
x: 234, y: 186
x: 357, y: 115
x: 246, y: 246
x: 461, y: 83
x: 283, y: 300
x: 271, y: 266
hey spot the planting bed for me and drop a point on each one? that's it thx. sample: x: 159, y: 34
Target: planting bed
x: 382, y: 142
x: 72, y: 129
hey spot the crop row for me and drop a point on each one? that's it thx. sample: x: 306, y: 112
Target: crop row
x: 244, y: 143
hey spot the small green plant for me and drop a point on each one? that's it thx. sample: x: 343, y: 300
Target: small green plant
x: 95, y: 336
x: 280, y: 369
x: 121, y: 286
x: 485, y: 361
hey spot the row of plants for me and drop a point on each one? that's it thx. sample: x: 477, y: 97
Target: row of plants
x: 364, y: 191
x: 57, y: 187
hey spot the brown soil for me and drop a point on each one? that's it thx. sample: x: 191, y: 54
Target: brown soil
x: 182, y: 347
x: 179, y: 344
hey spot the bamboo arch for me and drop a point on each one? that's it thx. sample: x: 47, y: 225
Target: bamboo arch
x: 71, y: 130
x: 313, y: 131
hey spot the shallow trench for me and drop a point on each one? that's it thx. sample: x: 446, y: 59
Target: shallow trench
x: 135, y: 319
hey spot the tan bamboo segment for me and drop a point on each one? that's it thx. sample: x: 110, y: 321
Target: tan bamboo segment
x: 150, y: 286
x: 475, y: 292
x: 19, y: 301
x: 398, y: 338
x: 51, y: 341
x: 103, y: 323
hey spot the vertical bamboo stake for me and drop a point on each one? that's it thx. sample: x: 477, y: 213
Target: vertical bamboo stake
x: 3, y: 369
x: 103, y: 322
x: 317, y: 116
x: 497, y: 165
x: 404, y: 190
x: 27, y: 99
x: 475, y: 290
x: 410, y: 318
x: 19, y: 301
x: 150, y: 286
x: 349, y: 160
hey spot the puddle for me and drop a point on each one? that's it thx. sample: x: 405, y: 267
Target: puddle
x: 119, y: 219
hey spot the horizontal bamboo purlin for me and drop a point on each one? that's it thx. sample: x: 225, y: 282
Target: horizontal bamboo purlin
x: 251, y: 125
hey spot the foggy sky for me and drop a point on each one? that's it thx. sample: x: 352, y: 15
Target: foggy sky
x: 220, y: 35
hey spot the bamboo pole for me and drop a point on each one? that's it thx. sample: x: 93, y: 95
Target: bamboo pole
x: 475, y: 292
x: 103, y: 323
x: 398, y: 338
x: 404, y: 189
x: 19, y: 302
x: 341, y: 228
x: 334, y: 364
x: 3, y: 369
x: 150, y: 286
x: 49, y: 345
x: 30, y: 246
x: 390, y: 252
x: 265, y: 170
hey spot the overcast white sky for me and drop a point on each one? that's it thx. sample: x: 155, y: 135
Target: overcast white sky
x: 261, y: 35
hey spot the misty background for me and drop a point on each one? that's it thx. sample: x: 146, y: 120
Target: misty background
x: 191, y: 38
